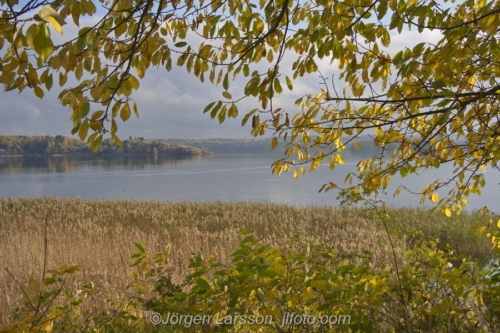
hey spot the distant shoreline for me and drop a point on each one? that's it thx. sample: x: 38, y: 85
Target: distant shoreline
x: 107, y: 154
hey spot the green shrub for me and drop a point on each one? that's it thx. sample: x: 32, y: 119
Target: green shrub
x: 265, y: 289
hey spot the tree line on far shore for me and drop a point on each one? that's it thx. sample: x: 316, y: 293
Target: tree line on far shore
x: 51, y: 145
x: 255, y: 146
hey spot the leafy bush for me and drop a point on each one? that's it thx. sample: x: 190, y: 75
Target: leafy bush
x: 265, y: 289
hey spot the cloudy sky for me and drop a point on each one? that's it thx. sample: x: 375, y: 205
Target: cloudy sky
x: 171, y: 103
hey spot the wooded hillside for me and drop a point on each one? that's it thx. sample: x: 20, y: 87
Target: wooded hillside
x: 49, y: 145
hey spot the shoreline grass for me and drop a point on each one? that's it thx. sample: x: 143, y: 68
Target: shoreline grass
x: 98, y: 235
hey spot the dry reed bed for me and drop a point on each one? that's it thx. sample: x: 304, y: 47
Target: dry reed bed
x: 98, y: 235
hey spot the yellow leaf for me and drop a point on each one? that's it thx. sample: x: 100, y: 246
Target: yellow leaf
x: 115, y: 109
x: 357, y: 145
x: 48, y: 14
x: 91, y: 138
x: 63, y: 77
x: 447, y: 211
x: 480, y: 230
x: 434, y: 197
x: 117, y: 140
x: 82, y: 133
x: 296, y: 174
x: 136, y: 111
x: 270, y: 296
x: 289, y: 83
x: 96, y: 115
x: 120, y: 28
x: 274, y: 143
x: 479, y: 299
x: 134, y: 83
x: 125, y: 112
x: 114, y: 127
x: 167, y: 253
x: 260, y: 26
x: 96, y: 143
x: 227, y: 95
x: 38, y: 92
x: 57, y: 27
x: 96, y: 126
x: 233, y: 111
x: 30, y: 35
x: 45, y: 327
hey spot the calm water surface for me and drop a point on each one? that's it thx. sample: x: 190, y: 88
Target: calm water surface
x: 199, y: 178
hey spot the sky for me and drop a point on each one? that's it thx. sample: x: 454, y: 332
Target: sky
x: 171, y: 103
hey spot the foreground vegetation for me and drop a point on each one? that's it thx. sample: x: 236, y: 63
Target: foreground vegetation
x: 281, y: 267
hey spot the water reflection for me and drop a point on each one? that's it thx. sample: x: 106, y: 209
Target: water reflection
x: 66, y: 164
x: 228, y: 178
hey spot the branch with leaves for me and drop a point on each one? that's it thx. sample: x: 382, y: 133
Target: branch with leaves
x: 430, y: 103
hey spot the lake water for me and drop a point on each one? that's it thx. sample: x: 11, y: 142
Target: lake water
x: 199, y: 178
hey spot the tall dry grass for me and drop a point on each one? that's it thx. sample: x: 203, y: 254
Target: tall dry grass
x: 98, y: 235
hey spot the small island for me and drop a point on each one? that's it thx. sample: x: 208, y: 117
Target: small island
x: 61, y: 145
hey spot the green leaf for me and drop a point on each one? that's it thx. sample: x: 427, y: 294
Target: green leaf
x: 92, y: 40
x: 215, y: 110
x: 208, y: 107
x: 319, y: 284
x: 49, y: 281
x: 417, y: 50
x: 382, y: 9
x: 448, y: 94
x: 269, y: 273
x: 444, y: 103
x: 247, y: 116
x: 49, y: 82
x: 246, y: 70
x: 32, y: 291
x: 42, y: 42
x: 438, y: 84
x: 139, y: 248
x: 443, y: 118
x: 222, y: 114
x: 84, y: 110
x: 225, y: 83
x: 115, y: 109
x: 277, y: 86
x: 203, y: 284
x: 289, y: 83
x: 249, y: 239
x: 31, y: 34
